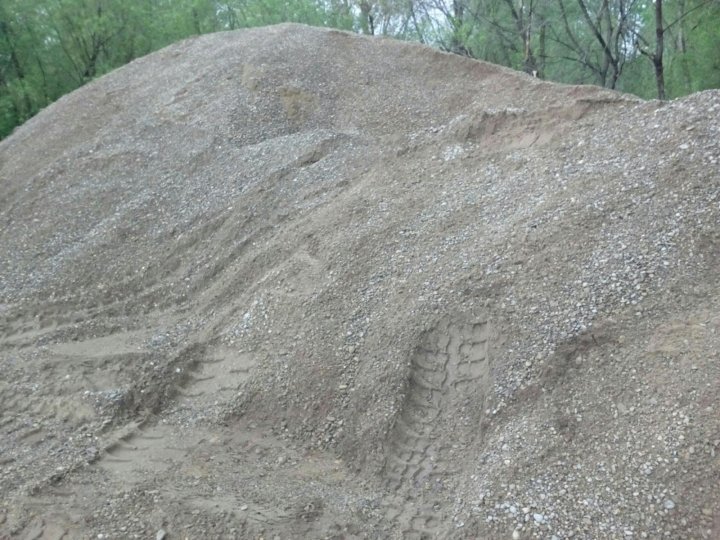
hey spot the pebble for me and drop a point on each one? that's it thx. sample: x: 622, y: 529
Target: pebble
x: 669, y: 504
x: 161, y: 534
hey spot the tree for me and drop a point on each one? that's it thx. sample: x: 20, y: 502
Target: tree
x: 656, y: 57
x: 682, y: 25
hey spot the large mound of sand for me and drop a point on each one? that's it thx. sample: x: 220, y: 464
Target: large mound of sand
x: 297, y: 283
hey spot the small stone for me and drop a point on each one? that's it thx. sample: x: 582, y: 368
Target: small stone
x: 91, y: 453
x: 516, y: 535
x: 244, y: 507
x: 669, y: 504
x: 539, y: 518
x: 161, y: 534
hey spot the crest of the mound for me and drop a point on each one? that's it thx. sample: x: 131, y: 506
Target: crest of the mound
x: 248, y: 86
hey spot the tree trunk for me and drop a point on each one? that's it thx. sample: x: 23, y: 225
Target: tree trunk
x: 610, y: 60
x: 659, y: 48
x: 682, y: 46
x: 524, y: 30
x: 367, y: 21
x: 19, y: 71
x: 541, y: 60
x: 457, y: 44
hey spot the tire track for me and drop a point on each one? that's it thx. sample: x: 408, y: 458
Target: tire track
x: 144, y: 451
x: 154, y: 448
x: 141, y: 452
x: 217, y: 378
x: 450, y: 364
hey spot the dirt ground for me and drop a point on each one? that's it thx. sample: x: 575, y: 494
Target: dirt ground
x: 296, y: 283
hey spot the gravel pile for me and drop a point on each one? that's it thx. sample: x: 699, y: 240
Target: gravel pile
x: 292, y: 282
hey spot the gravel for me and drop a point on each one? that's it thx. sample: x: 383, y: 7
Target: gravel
x: 245, y: 277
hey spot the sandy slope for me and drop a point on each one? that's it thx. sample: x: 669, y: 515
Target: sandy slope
x: 296, y: 283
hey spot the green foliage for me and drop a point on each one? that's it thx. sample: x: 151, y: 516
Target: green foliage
x: 50, y: 47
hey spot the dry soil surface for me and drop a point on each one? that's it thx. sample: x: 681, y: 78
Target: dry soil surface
x: 297, y: 283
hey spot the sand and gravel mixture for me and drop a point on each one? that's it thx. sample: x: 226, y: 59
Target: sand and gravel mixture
x: 296, y: 283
